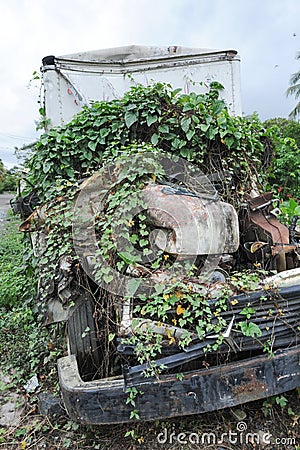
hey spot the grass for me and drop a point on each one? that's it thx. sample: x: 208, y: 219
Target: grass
x: 23, y: 341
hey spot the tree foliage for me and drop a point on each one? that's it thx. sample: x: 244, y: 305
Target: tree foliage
x: 285, y: 171
x: 285, y: 128
x: 8, y: 178
x: 294, y: 89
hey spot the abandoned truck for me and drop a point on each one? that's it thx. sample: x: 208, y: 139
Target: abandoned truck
x: 178, y: 283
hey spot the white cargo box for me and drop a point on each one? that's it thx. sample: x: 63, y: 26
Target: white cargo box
x: 72, y: 81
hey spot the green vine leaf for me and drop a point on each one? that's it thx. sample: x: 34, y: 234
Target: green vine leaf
x: 250, y: 329
x: 151, y: 120
x: 130, y: 118
x: 92, y: 145
x: 154, y: 139
x: 185, y: 124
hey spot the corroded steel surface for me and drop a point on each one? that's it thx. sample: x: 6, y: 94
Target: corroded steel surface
x: 198, y: 226
x: 104, y: 401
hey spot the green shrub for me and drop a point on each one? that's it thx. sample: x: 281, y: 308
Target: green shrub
x: 284, y: 173
x: 23, y: 341
x: 15, y: 286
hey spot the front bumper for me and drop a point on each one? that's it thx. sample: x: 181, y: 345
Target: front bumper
x: 199, y: 391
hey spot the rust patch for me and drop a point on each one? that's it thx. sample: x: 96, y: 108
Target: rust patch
x: 249, y: 384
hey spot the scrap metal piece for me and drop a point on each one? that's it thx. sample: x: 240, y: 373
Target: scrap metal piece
x: 266, y: 226
x: 199, y: 226
x: 226, y: 334
x: 283, y: 279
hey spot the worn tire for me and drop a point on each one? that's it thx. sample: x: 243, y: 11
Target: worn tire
x: 82, y: 337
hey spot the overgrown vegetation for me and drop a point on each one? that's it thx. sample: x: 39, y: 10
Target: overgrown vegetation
x: 197, y: 127
x: 150, y: 121
x: 146, y: 121
x: 285, y: 174
x: 8, y: 178
x: 20, y: 323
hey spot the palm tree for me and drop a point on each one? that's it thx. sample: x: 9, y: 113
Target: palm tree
x: 294, y: 89
x: 2, y: 170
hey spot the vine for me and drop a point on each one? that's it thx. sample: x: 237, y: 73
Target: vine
x: 197, y: 127
x: 157, y: 120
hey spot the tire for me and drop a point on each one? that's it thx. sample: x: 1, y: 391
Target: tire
x: 82, y: 337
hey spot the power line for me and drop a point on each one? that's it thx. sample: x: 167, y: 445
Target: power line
x: 7, y: 148
x: 14, y: 136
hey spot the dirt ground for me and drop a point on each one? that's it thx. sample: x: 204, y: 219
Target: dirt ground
x: 10, y: 410
x: 4, y: 206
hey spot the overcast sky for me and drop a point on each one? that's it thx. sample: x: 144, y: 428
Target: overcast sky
x: 266, y: 33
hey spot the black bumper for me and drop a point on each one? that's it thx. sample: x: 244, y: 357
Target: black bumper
x: 104, y: 401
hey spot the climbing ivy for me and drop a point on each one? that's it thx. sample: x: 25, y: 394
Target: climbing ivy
x: 197, y: 127
x: 159, y: 120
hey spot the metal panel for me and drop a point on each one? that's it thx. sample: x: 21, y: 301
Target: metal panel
x: 101, y: 75
x: 199, y: 391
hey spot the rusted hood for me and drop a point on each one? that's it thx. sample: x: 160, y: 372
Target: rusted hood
x: 190, y: 225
